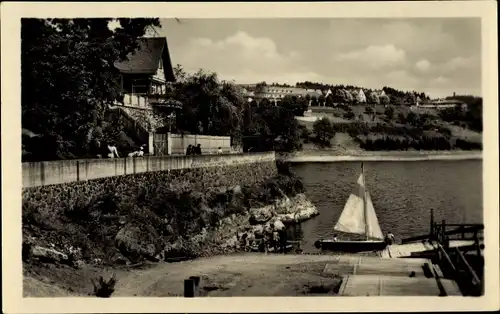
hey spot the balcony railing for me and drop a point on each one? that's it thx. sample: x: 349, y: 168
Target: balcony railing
x: 136, y: 100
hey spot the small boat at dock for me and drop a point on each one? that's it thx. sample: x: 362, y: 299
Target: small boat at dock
x: 357, y: 217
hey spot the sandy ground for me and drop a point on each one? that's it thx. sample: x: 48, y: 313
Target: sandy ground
x: 236, y: 275
x: 249, y: 274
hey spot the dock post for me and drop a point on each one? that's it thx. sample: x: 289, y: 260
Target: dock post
x: 189, y: 288
x: 196, y: 280
x: 443, y: 230
x: 431, y: 236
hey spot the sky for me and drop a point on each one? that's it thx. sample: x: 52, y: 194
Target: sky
x: 437, y: 56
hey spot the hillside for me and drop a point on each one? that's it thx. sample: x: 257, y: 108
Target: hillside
x: 358, y: 129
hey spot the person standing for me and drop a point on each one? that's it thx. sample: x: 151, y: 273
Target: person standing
x: 390, y: 239
x: 276, y: 241
x: 197, y: 149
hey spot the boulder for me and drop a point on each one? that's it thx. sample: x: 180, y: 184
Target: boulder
x: 261, y: 215
x: 258, y: 230
x: 237, y: 189
x: 48, y: 255
x: 279, y: 225
x: 78, y: 264
x: 137, y: 243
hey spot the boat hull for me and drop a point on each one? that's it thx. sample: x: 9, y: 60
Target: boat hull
x: 350, y: 246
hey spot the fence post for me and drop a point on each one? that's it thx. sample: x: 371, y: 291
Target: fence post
x: 476, y: 242
x: 189, y: 288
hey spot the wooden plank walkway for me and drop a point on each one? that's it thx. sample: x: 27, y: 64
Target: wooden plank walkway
x: 364, y: 265
x: 380, y: 285
x: 414, y: 249
x: 375, y: 276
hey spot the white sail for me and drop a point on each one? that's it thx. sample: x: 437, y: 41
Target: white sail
x: 374, y: 231
x: 352, y: 219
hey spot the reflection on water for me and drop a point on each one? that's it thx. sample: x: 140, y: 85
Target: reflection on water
x: 402, y: 192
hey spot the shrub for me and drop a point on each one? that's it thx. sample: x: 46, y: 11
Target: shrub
x: 324, y: 131
x: 103, y: 288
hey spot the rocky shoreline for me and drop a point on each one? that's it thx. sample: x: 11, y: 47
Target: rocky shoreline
x: 227, y: 236
x: 224, y: 239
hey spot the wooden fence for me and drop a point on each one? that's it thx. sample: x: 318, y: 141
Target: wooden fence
x: 177, y: 144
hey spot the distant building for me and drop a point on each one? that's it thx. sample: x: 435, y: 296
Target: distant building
x: 276, y: 93
x: 441, y: 104
x: 360, y: 96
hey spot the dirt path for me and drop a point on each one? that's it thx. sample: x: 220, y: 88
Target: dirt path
x: 235, y: 275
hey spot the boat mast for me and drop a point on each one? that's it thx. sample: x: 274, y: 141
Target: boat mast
x: 365, y: 207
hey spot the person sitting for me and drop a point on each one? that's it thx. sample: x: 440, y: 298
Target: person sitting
x: 335, y: 238
x: 219, y: 151
x: 138, y: 153
x: 189, y: 150
x: 390, y: 239
x: 112, y: 151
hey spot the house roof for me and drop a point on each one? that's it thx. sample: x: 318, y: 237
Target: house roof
x: 147, y: 57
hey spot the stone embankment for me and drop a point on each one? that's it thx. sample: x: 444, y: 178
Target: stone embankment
x: 160, y: 215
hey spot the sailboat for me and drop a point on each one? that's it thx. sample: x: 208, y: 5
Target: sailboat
x: 357, y: 217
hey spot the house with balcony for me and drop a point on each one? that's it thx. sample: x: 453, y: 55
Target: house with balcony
x: 143, y: 80
x: 143, y: 77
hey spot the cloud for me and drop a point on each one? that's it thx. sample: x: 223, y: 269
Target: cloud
x: 421, y: 54
x: 460, y: 64
x: 244, y: 58
x: 376, y: 56
x: 423, y: 65
x: 441, y: 80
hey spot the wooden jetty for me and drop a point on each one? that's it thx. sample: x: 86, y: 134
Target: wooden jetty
x: 455, y: 251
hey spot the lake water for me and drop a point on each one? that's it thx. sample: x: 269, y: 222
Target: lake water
x: 403, y: 194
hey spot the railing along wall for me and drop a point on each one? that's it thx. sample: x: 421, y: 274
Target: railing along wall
x: 452, y: 261
x: 65, y: 171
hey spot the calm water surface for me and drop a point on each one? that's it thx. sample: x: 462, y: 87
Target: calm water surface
x: 402, y: 193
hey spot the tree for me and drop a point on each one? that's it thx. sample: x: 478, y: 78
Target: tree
x: 324, y: 131
x: 373, y: 98
x: 384, y: 99
x: 321, y: 100
x: 68, y: 79
x: 369, y: 110
x: 314, y: 101
x: 329, y: 100
x: 349, y: 97
x: 411, y: 118
x: 339, y: 96
x: 298, y: 105
x: 389, y: 112
x: 209, y: 106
